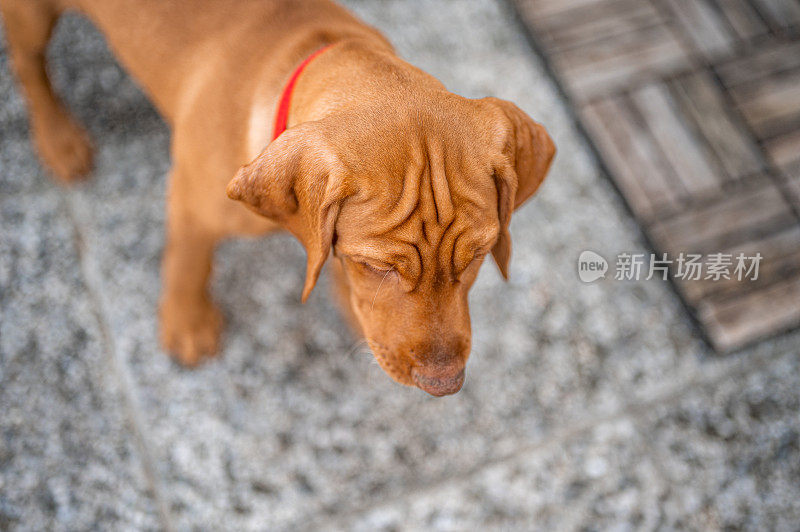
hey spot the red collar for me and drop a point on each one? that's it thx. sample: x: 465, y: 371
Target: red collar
x: 282, y: 116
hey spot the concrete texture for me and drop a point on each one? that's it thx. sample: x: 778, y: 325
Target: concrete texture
x: 586, y: 406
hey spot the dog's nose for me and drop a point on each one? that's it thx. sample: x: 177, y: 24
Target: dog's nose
x: 437, y: 383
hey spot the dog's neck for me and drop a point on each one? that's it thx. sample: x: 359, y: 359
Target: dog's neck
x: 349, y: 73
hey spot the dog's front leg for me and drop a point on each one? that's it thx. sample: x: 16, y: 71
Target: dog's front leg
x: 190, y: 322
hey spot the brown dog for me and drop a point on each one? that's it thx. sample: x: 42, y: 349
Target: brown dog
x: 409, y: 185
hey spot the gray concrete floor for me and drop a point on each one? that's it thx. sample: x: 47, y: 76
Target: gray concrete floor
x: 586, y: 406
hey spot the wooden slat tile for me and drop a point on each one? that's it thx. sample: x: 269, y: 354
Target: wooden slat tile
x: 596, y: 22
x: 678, y: 144
x: 771, y: 107
x: 537, y: 10
x: 733, y: 147
x: 594, y: 118
x: 734, y: 218
x: 743, y: 18
x: 781, y: 259
x: 631, y: 154
x: 603, y: 67
x: 708, y: 32
x: 791, y: 172
x: 784, y: 150
x: 768, y: 60
x: 781, y: 14
x: 733, y: 322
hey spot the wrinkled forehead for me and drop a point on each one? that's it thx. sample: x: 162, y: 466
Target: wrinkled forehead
x: 425, y: 180
x: 434, y: 173
x: 439, y: 212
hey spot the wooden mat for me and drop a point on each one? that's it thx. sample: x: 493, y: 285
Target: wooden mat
x: 694, y: 108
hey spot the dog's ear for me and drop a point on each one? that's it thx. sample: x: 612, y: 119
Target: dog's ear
x: 299, y: 182
x: 527, y: 153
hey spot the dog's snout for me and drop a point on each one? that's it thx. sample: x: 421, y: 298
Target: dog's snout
x: 438, y: 381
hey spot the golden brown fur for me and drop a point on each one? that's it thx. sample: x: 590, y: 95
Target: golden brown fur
x: 408, y: 185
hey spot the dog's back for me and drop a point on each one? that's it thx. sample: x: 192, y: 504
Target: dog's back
x: 167, y: 44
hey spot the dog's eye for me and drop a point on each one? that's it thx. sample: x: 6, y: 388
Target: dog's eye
x: 372, y: 266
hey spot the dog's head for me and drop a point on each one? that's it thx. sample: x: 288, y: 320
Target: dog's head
x: 410, y: 198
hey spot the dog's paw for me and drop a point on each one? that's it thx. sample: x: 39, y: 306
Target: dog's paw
x: 190, y: 333
x: 64, y: 147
